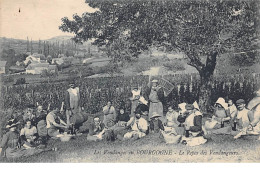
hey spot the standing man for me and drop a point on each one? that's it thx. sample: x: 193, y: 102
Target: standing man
x: 156, y: 99
x: 72, y: 101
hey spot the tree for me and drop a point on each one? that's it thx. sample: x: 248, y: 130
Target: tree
x: 201, y: 29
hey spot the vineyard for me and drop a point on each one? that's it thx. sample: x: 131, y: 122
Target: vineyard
x: 95, y: 92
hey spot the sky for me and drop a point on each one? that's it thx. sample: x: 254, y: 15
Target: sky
x: 37, y: 19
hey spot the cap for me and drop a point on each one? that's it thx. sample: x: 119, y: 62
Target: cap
x: 240, y: 101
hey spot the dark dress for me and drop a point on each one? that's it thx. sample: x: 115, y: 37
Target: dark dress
x: 11, y: 142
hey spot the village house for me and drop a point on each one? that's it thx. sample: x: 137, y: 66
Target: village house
x: 2, y: 67
x: 38, y: 68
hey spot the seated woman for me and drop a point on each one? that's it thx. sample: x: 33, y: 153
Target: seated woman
x: 139, y: 127
x: 29, y: 135
x: 109, y: 115
x: 119, y: 129
x: 171, y: 123
x: 11, y: 144
x: 96, y: 130
x: 193, y: 127
x: 220, y: 121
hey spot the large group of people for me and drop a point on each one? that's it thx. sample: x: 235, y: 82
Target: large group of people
x: 28, y: 133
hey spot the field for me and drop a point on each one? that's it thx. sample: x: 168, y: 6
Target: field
x: 246, y: 149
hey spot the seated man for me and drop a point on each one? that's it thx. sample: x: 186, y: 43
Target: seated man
x: 41, y: 123
x: 29, y: 135
x: 139, y: 127
x: 220, y: 121
x: 55, y: 124
x: 193, y: 127
x: 243, y: 118
x: 156, y: 124
x: 96, y: 130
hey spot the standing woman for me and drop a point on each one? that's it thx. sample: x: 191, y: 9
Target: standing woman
x: 156, y: 98
x: 12, y: 144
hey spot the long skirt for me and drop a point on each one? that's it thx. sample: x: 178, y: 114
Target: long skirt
x: 156, y: 107
x: 22, y: 152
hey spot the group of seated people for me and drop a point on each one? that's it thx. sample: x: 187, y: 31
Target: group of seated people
x: 185, y: 125
x: 28, y: 133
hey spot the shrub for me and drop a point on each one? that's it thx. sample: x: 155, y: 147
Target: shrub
x: 174, y: 65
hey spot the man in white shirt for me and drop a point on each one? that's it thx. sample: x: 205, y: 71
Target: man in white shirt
x: 242, y: 118
x: 54, y: 123
x: 138, y: 125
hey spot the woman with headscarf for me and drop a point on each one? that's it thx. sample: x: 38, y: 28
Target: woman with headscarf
x: 156, y: 99
x: 220, y: 121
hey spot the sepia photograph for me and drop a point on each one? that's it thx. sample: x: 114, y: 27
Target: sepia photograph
x: 129, y: 81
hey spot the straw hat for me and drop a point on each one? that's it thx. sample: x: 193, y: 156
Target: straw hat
x: 154, y: 81
x: 155, y: 114
x: 11, y: 124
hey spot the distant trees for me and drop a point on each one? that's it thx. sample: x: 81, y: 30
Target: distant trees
x: 201, y: 29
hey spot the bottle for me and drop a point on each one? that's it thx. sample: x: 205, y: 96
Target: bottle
x: 222, y: 124
x: 187, y: 133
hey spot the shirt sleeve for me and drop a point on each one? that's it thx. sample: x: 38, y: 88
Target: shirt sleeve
x: 22, y: 132
x: 51, y: 119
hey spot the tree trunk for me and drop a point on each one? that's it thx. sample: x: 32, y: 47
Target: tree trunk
x: 205, y: 92
x: 206, y: 79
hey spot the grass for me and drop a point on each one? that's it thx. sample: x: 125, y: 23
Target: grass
x: 246, y: 149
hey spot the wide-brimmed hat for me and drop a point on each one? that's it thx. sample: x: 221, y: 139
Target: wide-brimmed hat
x: 11, y: 124
x: 155, y: 114
x: 222, y: 102
x: 240, y: 101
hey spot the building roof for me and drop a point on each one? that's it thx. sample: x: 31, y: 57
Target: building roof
x: 3, y: 63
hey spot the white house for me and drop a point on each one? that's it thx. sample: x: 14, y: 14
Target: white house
x: 38, y: 68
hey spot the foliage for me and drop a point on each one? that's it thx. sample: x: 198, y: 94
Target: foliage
x: 175, y: 65
x: 48, y: 73
x: 20, y: 81
x: 200, y: 29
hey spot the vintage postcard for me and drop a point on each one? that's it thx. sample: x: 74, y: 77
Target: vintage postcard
x: 137, y: 81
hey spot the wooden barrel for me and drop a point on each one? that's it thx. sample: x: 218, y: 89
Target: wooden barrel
x: 79, y: 118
